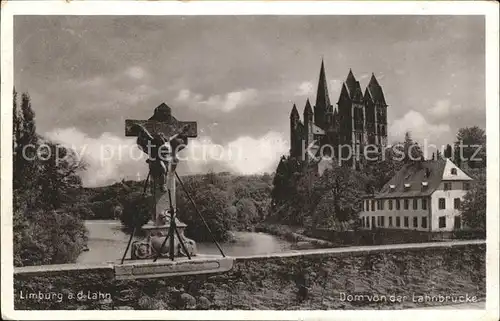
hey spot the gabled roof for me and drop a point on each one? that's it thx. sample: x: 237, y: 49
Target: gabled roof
x: 429, y: 172
x: 376, y: 94
x: 317, y: 131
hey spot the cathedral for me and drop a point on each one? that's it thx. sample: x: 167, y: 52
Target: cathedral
x: 357, y: 120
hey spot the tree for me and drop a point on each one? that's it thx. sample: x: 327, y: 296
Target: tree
x: 137, y: 209
x: 44, y: 233
x: 53, y: 237
x: 59, y: 177
x: 380, y: 170
x: 25, y: 146
x: 470, y: 147
x: 288, y: 173
x: 215, y: 205
x: 411, y: 150
x: 473, y: 206
x: 448, y: 152
x: 338, y: 194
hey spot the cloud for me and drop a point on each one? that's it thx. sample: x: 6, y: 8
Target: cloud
x: 135, y: 72
x: 305, y: 89
x: 443, y: 108
x: 245, y: 155
x: 226, y: 103
x: 111, y: 158
x: 419, y: 127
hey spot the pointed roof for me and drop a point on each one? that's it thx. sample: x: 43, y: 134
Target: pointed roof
x: 322, y: 97
x: 295, y: 112
x: 308, y: 110
x: 352, y: 85
x: 375, y: 91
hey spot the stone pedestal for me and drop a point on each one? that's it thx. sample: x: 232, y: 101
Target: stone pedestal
x: 154, y: 238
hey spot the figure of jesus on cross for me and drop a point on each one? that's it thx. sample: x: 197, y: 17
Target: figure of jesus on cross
x: 161, y: 137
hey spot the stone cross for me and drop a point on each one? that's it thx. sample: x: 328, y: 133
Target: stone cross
x: 160, y: 128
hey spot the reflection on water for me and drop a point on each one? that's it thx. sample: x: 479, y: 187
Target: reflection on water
x: 107, y: 243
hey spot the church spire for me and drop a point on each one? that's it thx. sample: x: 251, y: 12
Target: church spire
x: 322, y: 98
x: 375, y: 90
x: 307, y: 110
x: 295, y: 112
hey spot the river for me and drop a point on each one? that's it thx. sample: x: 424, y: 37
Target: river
x: 107, y: 243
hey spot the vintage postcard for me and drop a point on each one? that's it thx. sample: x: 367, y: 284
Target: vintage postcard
x: 250, y: 160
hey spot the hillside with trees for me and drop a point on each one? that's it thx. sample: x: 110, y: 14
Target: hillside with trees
x: 227, y: 202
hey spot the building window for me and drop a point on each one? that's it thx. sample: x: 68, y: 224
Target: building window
x: 398, y: 205
x: 442, y: 204
x: 367, y: 205
x: 447, y: 186
x: 367, y: 221
x: 373, y: 221
x: 398, y: 221
x: 373, y: 205
x: 382, y: 221
x: 407, y: 204
x: 424, y: 222
x: 415, y: 204
x: 466, y: 186
x: 442, y: 221
x: 453, y: 171
x: 456, y: 203
x: 415, y: 221
x: 406, y: 221
x: 382, y: 204
x: 424, y: 204
x: 390, y: 221
x: 457, y: 223
x: 390, y: 205
x: 378, y: 220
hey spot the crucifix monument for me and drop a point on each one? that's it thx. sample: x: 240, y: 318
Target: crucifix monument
x: 161, y: 137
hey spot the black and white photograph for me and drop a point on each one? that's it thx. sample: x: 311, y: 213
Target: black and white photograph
x: 198, y: 160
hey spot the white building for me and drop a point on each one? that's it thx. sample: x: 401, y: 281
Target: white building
x: 423, y: 196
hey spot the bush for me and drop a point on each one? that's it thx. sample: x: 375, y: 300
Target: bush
x: 54, y: 237
x: 136, y: 210
x: 216, y: 207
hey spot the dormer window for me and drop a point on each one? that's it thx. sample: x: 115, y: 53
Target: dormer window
x: 453, y: 171
x: 392, y: 188
x: 425, y: 185
x: 407, y: 185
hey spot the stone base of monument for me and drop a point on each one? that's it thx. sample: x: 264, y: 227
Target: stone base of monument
x: 140, y: 269
x: 155, y: 235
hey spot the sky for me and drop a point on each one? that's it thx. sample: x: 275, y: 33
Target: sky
x: 238, y: 77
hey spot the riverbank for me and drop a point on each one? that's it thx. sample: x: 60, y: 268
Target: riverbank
x: 294, y: 235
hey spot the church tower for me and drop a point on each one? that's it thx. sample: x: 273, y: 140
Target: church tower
x: 308, y: 125
x: 376, y: 108
x: 295, y: 132
x: 352, y: 117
